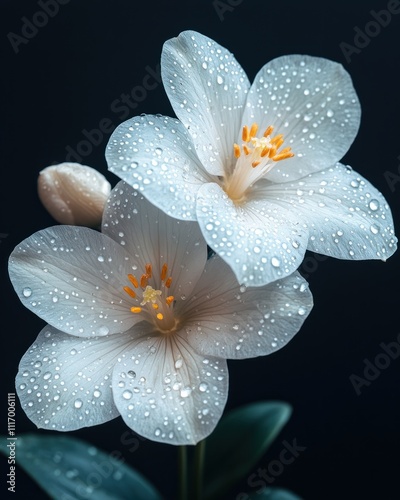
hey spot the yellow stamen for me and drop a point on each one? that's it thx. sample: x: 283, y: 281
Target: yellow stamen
x: 245, y: 134
x: 133, y: 280
x: 268, y: 131
x: 160, y: 316
x: 129, y: 291
x: 155, y: 306
x: 236, y: 150
x: 164, y: 271
x: 255, y: 164
x: 246, y: 150
x: 143, y: 280
x: 136, y: 309
x: 264, y: 152
x: 283, y: 156
x: 169, y: 300
x: 253, y: 130
x: 148, y: 270
x: 275, y: 140
x: 168, y: 282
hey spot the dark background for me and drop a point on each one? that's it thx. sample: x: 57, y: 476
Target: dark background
x: 64, y: 81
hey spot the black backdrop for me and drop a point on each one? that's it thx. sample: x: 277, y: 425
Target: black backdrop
x: 63, y: 81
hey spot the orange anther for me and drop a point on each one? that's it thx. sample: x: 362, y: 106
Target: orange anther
x: 160, y: 316
x: 164, y: 271
x: 155, y: 306
x: 169, y: 300
x: 268, y: 131
x: 136, y: 309
x: 236, y: 150
x: 264, y: 152
x: 133, y: 280
x: 148, y: 270
x: 255, y: 163
x: 143, y: 280
x: 283, y: 156
x: 276, y: 139
x: 246, y: 134
x: 168, y: 282
x: 129, y: 291
x: 246, y: 150
x: 253, y: 130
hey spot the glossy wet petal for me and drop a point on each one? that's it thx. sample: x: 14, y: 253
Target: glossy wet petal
x: 167, y: 392
x: 207, y: 88
x: 259, y: 242
x: 64, y: 382
x: 312, y: 102
x: 155, y: 155
x: 73, y: 278
x: 155, y: 238
x: 346, y: 216
x: 223, y: 319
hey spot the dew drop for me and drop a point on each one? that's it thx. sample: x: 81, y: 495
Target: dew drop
x: 26, y: 292
x: 203, y: 387
x: 275, y: 262
x: 178, y: 363
x: 374, y: 205
x: 185, y: 392
x: 127, y: 395
x: 78, y: 403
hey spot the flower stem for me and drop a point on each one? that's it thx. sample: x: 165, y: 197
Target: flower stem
x: 182, y: 472
x: 199, y: 468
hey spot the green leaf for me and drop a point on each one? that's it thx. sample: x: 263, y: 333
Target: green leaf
x: 72, y: 469
x: 239, y: 441
x: 273, y: 494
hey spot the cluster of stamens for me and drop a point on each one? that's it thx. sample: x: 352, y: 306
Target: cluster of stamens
x: 265, y: 146
x: 262, y: 152
x: 150, y: 295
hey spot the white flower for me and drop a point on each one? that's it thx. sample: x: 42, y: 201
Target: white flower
x: 140, y: 323
x: 227, y: 162
x: 73, y: 193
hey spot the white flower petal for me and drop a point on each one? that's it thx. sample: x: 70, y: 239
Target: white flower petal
x: 167, y: 392
x: 207, y: 88
x: 73, y: 278
x: 155, y: 238
x: 259, y: 242
x: 155, y: 155
x: 345, y: 215
x: 312, y: 101
x: 222, y: 320
x: 64, y: 382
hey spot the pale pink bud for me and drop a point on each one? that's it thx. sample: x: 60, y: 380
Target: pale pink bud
x: 73, y: 193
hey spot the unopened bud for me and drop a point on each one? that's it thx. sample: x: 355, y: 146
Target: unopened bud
x: 73, y: 194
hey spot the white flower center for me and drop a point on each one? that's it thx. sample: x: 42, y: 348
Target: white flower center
x: 156, y: 305
x: 254, y: 159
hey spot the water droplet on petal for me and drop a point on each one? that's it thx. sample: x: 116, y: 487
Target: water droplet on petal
x: 27, y: 292
x: 374, y: 205
x: 275, y: 262
x: 127, y: 394
x: 78, y: 403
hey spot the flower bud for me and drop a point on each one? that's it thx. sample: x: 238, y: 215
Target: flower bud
x: 73, y: 194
